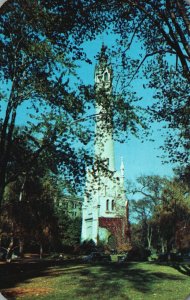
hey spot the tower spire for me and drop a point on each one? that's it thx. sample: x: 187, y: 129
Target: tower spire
x: 105, y: 197
x: 104, y: 145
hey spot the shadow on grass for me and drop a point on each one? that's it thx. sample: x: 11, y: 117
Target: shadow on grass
x: 23, y: 271
x: 105, y: 280
x: 182, y: 268
x: 113, y: 279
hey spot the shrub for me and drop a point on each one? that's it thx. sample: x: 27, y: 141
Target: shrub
x: 138, y: 254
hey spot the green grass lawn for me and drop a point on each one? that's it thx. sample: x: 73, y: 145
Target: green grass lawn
x: 72, y: 280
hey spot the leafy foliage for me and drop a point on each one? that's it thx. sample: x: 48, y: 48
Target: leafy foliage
x: 37, y: 58
x: 158, y: 34
x: 161, y: 213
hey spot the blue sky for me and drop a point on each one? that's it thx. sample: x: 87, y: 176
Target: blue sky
x: 139, y: 158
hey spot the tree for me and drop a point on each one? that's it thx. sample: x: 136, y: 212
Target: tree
x: 161, y: 30
x: 69, y: 231
x: 29, y: 213
x: 172, y: 213
x: 149, y: 190
x: 37, y: 57
x: 161, y: 212
x: 40, y: 43
x: 167, y: 28
x: 166, y: 39
x: 145, y: 225
x: 30, y: 219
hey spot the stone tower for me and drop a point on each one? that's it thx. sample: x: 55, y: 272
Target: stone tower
x: 105, y: 208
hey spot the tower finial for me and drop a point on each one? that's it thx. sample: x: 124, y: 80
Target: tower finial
x: 103, y: 57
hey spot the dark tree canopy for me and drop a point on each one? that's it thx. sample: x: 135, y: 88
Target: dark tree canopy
x: 159, y: 33
x: 39, y: 44
x: 164, y: 31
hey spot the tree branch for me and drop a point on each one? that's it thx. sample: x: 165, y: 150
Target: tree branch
x: 184, y: 16
x: 145, y: 57
x: 154, y: 198
x: 174, y: 44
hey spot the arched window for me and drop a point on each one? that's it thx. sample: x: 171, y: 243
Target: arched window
x: 112, y: 205
x: 106, y: 76
x: 107, y: 204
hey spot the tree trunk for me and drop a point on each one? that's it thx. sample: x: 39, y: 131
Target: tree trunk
x: 10, y: 250
x: 163, y: 245
x: 149, y: 237
x: 21, y: 248
x: 41, y: 251
x: 5, y: 143
x: 2, y: 185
